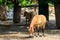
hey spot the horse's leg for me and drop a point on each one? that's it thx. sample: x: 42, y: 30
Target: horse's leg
x: 38, y: 29
x: 26, y: 21
x: 43, y: 30
x: 35, y: 31
x: 31, y: 32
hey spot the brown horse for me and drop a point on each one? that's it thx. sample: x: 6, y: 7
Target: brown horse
x: 38, y: 21
x: 28, y: 16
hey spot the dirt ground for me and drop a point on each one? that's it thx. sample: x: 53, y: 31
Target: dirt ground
x: 49, y: 35
x: 21, y: 33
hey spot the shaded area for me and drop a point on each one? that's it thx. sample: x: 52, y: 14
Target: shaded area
x: 15, y: 29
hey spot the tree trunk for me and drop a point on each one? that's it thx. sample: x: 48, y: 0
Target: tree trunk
x: 16, y: 15
x: 57, y: 13
x: 43, y: 9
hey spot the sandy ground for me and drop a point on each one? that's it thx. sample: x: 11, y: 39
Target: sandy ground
x: 20, y: 32
x: 22, y: 36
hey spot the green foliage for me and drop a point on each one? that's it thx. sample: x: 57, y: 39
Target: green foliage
x: 28, y: 2
x: 0, y: 1
x: 24, y: 2
x: 10, y: 5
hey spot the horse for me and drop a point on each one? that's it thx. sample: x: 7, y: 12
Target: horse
x: 39, y: 22
x: 28, y: 16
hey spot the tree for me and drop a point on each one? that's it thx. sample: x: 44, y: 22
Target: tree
x: 17, y: 9
x: 0, y: 1
x: 57, y: 12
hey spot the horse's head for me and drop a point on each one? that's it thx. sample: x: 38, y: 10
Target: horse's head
x: 30, y: 30
x: 25, y: 13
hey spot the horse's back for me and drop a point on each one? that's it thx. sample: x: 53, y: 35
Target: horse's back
x: 42, y: 18
x: 38, y: 19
